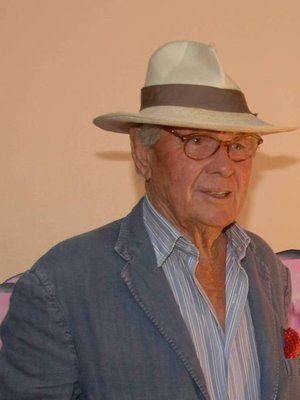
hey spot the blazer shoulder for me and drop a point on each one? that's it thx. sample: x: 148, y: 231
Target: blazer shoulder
x: 267, y: 256
x: 79, y: 254
x: 263, y: 248
x: 278, y: 273
x: 103, y: 235
x: 260, y: 243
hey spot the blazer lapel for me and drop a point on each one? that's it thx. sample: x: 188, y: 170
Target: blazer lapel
x: 264, y: 322
x: 149, y: 287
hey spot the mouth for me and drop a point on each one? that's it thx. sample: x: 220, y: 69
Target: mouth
x: 217, y: 194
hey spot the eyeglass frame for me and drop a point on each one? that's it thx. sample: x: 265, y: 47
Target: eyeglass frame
x: 227, y: 143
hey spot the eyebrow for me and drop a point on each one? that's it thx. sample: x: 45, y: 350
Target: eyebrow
x: 208, y: 133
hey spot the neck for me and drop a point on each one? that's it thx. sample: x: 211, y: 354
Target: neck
x: 209, y: 240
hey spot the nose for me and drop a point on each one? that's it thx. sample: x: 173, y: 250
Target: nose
x: 220, y: 163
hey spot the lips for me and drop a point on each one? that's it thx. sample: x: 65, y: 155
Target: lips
x: 217, y: 194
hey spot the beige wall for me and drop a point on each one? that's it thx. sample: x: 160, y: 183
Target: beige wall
x: 65, y: 61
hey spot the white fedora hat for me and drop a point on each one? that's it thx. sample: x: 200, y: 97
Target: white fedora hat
x: 187, y: 87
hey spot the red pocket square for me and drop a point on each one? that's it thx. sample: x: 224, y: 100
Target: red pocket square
x: 291, y: 343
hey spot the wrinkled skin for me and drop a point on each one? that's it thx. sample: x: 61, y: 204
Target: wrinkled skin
x: 179, y: 187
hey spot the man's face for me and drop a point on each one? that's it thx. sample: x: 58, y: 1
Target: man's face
x: 207, y: 192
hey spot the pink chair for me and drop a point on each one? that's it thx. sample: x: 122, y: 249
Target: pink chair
x: 6, y: 289
x: 291, y: 258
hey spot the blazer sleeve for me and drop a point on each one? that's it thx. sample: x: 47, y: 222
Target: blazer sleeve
x: 38, y: 359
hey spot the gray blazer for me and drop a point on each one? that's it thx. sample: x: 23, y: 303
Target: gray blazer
x: 94, y: 319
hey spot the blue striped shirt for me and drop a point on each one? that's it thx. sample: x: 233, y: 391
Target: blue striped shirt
x: 228, y: 358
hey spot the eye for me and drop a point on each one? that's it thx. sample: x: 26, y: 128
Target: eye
x: 238, y: 146
x: 196, y: 140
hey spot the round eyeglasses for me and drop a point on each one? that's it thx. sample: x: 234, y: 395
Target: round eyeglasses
x: 199, y: 146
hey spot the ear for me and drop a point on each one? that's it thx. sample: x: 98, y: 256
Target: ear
x: 140, y: 154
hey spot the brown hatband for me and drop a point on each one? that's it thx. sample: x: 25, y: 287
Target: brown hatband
x: 196, y: 96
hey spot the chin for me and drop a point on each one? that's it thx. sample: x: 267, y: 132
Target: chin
x: 215, y: 215
x: 218, y: 220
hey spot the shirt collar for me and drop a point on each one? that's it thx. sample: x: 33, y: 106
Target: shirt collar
x: 238, y: 240
x: 165, y: 236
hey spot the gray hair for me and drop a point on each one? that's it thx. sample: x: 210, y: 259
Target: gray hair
x: 149, y: 134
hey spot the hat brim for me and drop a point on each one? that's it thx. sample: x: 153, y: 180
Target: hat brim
x: 187, y: 117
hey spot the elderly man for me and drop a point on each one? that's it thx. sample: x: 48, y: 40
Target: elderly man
x: 175, y: 301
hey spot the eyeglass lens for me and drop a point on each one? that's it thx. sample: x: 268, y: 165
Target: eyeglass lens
x: 200, y: 147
